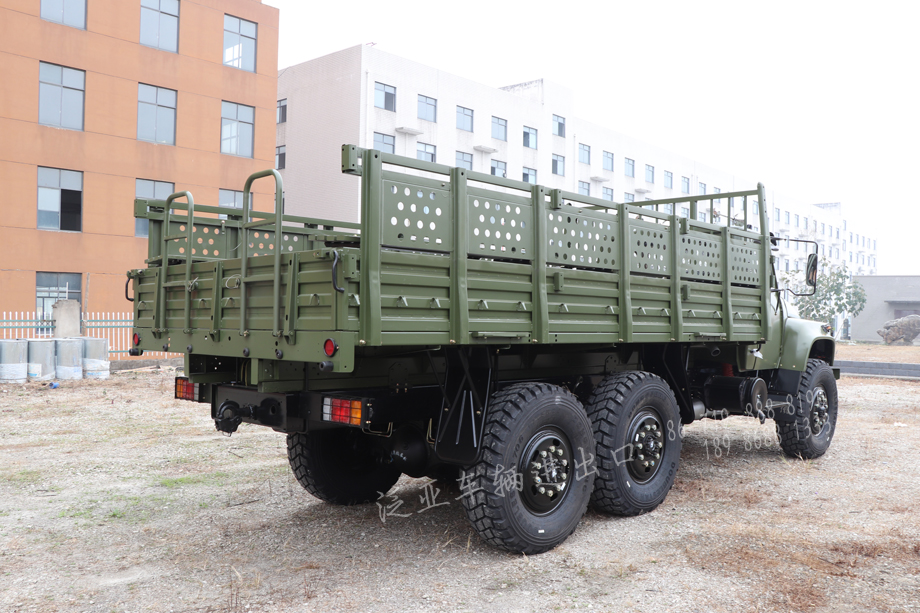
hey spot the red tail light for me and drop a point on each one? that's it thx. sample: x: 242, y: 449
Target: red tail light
x: 186, y: 390
x: 136, y: 338
x: 329, y: 347
x: 343, y: 411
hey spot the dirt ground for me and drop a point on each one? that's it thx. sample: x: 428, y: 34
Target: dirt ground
x: 865, y: 352
x: 116, y: 498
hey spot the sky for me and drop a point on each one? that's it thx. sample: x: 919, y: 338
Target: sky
x: 818, y: 100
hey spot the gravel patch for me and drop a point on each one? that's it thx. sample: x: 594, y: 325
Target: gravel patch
x: 115, y: 497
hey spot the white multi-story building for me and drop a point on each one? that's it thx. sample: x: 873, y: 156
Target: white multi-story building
x: 529, y: 131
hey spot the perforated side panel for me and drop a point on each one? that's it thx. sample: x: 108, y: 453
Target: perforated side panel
x: 701, y: 257
x: 745, y: 261
x: 416, y: 216
x: 500, y: 228
x: 584, y: 238
x: 650, y: 248
x: 208, y: 241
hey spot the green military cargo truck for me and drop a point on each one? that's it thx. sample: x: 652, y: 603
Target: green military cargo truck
x: 541, y: 347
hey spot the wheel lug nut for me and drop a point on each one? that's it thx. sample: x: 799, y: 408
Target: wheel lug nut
x: 648, y: 427
x: 549, y: 493
x: 654, y: 426
x: 559, y: 452
x: 552, y: 449
x: 536, y: 465
x: 641, y: 457
x: 658, y: 433
x: 542, y: 490
x: 657, y: 456
x: 542, y: 454
x: 653, y: 462
x: 639, y: 446
x: 537, y: 480
x: 645, y: 464
x: 564, y: 476
x: 565, y: 462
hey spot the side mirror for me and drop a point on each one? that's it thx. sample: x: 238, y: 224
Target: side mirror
x: 811, y: 270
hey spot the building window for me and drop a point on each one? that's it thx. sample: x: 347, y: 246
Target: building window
x: 465, y: 160
x: 787, y: 217
x: 796, y: 220
x: 239, y: 43
x: 427, y: 108
x: 231, y: 199
x: 236, y: 129
x: 280, y: 157
x: 558, y: 165
x: 426, y: 153
x: 464, y: 118
x: 499, y: 169
x: 806, y: 223
x: 584, y: 188
x: 685, y: 185
x: 152, y: 190
x: 716, y: 190
x: 702, y: 191
x: 649, y: 174
x: 584, y: 154
x: 530, y: 176
x: 874, y: 245
x: 68, y: 12
x: 499, y: 128
x: 530, y: 138
x: 629, y: 167
x: 776, y: 214
x: 701, y: 215
x: 60, y: 199
x: 607, y: 193
x: 627, y: 197
x: 156, y: 114
x: 822, y: 229
x: 60, y: 96
x: 384, y: 142
x: 53, y: 286
x: 281, y: 115
x: 608, y: 161
x: 160, y: 24
x: 385, y: 97
x: 684, y: 212
x: 558, y: 125
x: 668, y: 179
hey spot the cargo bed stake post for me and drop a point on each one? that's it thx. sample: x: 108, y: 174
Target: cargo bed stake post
x: 764, y: 261
x: 371, y: 241
x: 245, y: 227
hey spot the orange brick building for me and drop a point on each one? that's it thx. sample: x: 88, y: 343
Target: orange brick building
x: 105, y: 100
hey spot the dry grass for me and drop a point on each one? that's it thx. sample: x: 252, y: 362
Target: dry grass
x: 865, y: 352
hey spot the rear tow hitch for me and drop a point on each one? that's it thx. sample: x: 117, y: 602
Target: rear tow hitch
x: 230, y: 416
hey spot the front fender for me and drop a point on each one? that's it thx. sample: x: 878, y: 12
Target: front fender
x: 803, y: 339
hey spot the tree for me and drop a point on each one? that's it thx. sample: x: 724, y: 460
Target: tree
x: 834, y: 295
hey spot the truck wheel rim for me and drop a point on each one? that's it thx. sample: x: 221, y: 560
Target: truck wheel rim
x: 546, y: 471
x: 645, y: 445
x: 819, y: 410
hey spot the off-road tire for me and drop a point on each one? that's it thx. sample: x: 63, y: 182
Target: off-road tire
x: 519, y: 417
x: 797, y: 437
x: 338, y: 466
x: 617, y: 402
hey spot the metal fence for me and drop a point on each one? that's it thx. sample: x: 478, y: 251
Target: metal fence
x: 116, y: 327
x: 25, y: 324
